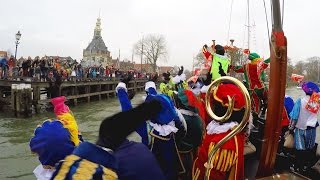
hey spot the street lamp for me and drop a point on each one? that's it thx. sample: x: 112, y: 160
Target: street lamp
x: 18, y: 36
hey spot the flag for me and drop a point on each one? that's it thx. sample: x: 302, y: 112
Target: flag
x: 297, y: 77
x: 206, y: 53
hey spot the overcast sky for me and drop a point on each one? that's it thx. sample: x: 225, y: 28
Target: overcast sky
x: 65, y: 27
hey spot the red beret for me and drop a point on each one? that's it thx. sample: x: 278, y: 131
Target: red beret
x: 221, y: 93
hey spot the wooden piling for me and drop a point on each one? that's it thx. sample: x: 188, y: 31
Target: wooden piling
x: 88, y: 92
x: 21, y: 100
x: 74, y: 93
x: 36, y: 98
x: 14, y: 89
x: 99, y: 90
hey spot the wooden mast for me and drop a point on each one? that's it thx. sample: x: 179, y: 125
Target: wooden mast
x: 277, y: 85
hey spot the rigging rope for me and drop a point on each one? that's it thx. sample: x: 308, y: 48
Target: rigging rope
x: 270, y: 44
x: 282, y: 12
x: 244, y: 31
x: 230, y: 22
x: 248, y: 24
x: 265, y: 12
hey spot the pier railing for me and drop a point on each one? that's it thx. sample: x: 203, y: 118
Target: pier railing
x: 26, y: 97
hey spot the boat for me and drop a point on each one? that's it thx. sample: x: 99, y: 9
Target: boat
x: 267, y: 162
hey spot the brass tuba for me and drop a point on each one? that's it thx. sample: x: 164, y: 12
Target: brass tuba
x: 225, y: 117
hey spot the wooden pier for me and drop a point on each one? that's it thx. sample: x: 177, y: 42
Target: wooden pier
x: 24, y: 98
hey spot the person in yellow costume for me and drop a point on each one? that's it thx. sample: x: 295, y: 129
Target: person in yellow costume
x: 169, y: 84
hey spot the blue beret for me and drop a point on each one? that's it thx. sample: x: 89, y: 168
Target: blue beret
x: 51, y: 142
x: 310, y: 87
x: 167, y: 113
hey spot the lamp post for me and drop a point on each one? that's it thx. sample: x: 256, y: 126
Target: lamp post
x: 18, y: 36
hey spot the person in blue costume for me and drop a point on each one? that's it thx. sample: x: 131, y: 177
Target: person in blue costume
x: 55, y: 138
x: 131, y: 152
x: 124, y: 98
x: 112, y: 157
x: 304, y: 123
x: 166, y: 130
x: 52, y: 143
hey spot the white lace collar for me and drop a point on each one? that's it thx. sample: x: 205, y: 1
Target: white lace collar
x: 215, y: 128
x: 43, y: 174
x: 166, y: 129
x: 187, y: 112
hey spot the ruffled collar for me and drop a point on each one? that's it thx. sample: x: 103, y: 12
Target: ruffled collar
x: 165, y: 129
x: 187, y: 112
x: 43, y: 174
x: 216, y: 128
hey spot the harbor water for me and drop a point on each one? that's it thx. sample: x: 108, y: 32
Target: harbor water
x: 16, y: 160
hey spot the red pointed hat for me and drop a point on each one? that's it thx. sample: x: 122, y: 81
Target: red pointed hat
x: 221, y: 93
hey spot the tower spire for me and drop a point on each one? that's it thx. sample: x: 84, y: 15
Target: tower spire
x: 97, y: 29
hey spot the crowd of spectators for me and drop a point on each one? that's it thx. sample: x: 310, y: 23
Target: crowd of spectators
x: 46, y: 68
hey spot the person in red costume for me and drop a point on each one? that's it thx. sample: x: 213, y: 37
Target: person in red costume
x: 254, y: 76
x: 229, y: 160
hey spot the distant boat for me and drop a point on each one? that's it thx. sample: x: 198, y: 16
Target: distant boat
x: 299, y: 87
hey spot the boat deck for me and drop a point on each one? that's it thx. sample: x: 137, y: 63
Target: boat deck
x: 291, y: 176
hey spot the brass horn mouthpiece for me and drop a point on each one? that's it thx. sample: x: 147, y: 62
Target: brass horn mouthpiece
x: 231, y: 40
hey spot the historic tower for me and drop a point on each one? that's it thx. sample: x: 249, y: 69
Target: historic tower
x: 97, y: 52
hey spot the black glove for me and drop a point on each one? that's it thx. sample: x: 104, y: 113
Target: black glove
x: 221, y: 71
x: 131, y: 94
x: 207, y: 81
x: 126, y: 79
x: 180, y: 71
x: 166, y: 76
x: 154, y: 78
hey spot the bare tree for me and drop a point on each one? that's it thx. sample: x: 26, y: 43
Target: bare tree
x: 199, y: 59
x: 188, y: 73
x: 298, y: 68
x: 153, y: 48
x: 312, y: 68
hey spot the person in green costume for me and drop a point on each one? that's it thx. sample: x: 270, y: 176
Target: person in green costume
x: 187, y: 107
x: 255, y: 77
x: 186, y: 103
